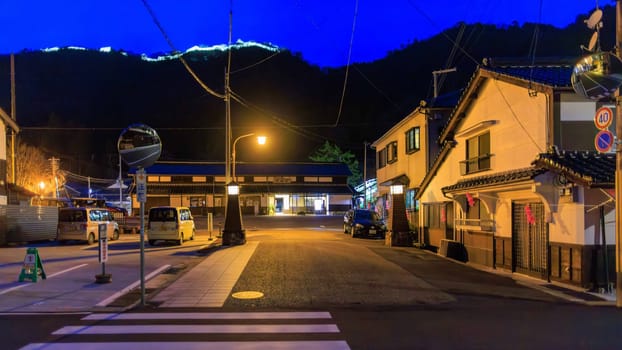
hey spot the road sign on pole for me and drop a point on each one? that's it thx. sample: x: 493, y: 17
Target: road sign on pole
x: 603, y: 118
x: 141, y: 185
x: 604, y: 141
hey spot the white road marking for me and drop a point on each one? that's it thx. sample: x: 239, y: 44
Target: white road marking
x: 50, y: 276
x: 199, y: 329
x: 224, y: 345
x: 208, y: 316
x: 113, y: 297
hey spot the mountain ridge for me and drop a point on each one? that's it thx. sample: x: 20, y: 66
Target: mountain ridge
x: 73, y: 104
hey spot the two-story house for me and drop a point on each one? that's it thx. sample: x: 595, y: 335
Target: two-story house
x: 501, y: 188
x: 405, y: 152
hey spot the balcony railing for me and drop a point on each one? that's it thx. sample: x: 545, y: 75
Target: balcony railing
x: 487, y: 225
x: 476, y: 164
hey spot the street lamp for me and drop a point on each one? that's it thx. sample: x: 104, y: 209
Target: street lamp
x: 233, y: 233
x: 260, y: 140
x: 41, y: 188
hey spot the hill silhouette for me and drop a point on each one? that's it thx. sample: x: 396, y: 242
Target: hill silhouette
x: 73, y: 104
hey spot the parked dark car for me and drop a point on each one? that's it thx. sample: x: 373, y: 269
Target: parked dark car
x: 363, y: 222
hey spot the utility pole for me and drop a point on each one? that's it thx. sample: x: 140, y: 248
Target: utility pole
x: 13, y: 116
x: 435, y: 75
x: 618, y: 172
x: 365, y: 144
x: 54, y: 164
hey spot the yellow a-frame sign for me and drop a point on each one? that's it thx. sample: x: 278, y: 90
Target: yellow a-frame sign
x: 32, y: 268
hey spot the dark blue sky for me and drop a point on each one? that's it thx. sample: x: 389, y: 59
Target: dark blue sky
x: 321, y: 30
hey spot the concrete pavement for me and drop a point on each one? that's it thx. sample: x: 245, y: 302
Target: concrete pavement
x: 209, y: 283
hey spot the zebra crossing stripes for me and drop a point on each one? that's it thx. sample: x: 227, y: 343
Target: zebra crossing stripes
x: 276, y: 330
x: 198, y: 329
x: 207, y: 316
x: 233, y: 345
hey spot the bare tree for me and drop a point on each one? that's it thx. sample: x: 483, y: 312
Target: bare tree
x: 32, y: 168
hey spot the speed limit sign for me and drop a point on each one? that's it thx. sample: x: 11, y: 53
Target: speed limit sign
x: 603, y: 118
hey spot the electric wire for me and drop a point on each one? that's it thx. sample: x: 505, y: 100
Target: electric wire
x: 442, y: 32
x: 345, y: 79
x: 507, y: 103
x: 256, y: 63
x: 534, y: 44
x: 279, y: 121
x: 181, y: 58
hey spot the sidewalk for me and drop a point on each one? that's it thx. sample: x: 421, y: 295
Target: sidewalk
x: 560, y: 290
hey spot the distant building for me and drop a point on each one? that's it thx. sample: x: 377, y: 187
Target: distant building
x: 265, y: 188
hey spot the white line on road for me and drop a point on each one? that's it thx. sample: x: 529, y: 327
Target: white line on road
x: 199, y: 329
x: 209, y: 316
x: 50, y: 276
x: 220, y: 345
x: 113, y: 297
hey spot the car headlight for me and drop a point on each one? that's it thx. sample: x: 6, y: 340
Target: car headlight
x: 359, y: 226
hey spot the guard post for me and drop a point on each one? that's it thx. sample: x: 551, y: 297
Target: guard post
x: 103, y: 254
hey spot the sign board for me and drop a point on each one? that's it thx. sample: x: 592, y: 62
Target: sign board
x: 103, y: 243
x: 604, y: 141
x: 141, y: 185
x: 603, y: 118
x: 32, y: 268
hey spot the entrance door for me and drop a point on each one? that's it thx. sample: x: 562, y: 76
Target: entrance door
x: 529, y: 239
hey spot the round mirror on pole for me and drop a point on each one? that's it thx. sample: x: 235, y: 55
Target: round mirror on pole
x: 139, y: 146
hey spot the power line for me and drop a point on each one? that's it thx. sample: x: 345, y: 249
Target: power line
x: 181, y: 58
x: 345, y: 79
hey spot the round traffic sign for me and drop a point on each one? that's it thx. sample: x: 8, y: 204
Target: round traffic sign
x: 603, y: 141
x: 603, y: 118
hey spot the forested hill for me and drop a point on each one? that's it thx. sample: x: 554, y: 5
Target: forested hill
x: 73, y: 103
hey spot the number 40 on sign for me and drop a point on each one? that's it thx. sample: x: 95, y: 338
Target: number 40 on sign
x: 603, y: 118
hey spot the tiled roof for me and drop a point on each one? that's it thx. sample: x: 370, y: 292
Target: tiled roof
x: 589, y: 168
x: 552, y: 72
x: 503, y: 178
x: 260, y: 169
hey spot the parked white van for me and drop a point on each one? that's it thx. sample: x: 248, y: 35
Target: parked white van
x: 82, y: 224
x: 170, y: 224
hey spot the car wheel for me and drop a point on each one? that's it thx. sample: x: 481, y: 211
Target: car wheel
x: 115, y: 235
x: 192, y: 236
x: 91, y: 239
x: 352, y: 232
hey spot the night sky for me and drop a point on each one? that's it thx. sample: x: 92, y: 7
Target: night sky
x: 320, y: 30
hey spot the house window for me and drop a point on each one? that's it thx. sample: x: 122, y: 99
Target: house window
x: 477, y: 154
x: 382, y: 158
x: 412, y: 140
x: 432, y: 215
x: 392, y: 152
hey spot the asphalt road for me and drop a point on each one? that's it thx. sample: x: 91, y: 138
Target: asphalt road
x: 311, y: 286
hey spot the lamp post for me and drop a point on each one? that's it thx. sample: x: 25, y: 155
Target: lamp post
x: 398, y: 223
x: 233, y: 233
x: 260, y: 140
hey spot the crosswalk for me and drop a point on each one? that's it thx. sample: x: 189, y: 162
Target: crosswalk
x: 199, y: 330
